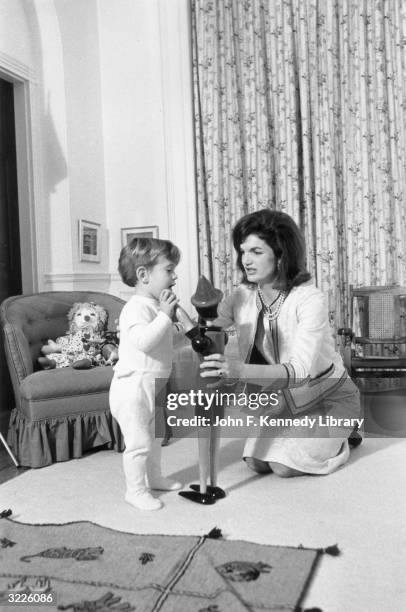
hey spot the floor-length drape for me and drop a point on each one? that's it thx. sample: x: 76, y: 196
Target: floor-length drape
x: 300, y: 105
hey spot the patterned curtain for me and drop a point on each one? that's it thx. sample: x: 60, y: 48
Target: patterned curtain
x: 300, y: 106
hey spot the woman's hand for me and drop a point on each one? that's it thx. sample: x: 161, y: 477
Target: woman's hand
x: 218, y: 365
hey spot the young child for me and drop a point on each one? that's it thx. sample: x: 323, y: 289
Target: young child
x: 144, y: 364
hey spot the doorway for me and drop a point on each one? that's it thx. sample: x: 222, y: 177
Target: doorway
x: 10, y: 258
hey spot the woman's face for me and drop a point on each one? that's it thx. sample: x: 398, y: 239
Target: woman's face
x: 258, y: 260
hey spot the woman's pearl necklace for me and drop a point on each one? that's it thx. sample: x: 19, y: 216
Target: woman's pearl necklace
x: 271, y: 311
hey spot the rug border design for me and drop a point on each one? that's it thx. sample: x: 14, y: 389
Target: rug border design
x: 164, y: 535
x: 200, y: 539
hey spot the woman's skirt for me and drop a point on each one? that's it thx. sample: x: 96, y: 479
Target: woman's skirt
x: 318, y: 444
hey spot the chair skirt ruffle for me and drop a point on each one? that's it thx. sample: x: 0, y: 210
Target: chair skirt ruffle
x: 40, y: 443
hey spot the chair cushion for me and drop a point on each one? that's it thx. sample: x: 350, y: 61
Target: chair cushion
x: 65, y: 391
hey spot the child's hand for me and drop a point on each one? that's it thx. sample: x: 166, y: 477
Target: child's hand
x: 183, y: 318
x: 168, y: 302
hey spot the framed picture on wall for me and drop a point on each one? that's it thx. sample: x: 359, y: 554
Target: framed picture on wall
x: 128, y: 233
x: 89, y: 241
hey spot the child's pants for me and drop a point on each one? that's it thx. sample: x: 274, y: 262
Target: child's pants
x: 132, y: 404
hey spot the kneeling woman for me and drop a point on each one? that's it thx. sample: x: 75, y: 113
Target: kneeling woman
x: 285, y: 342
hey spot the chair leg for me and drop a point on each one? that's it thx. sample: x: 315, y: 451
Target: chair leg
x: 8, y: 449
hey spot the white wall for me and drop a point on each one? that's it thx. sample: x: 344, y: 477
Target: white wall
x: 147, y: 122
x: 53, y: 207
x: 85, y: 148
x: 132, y: 118
x: 112, y: 127
x: 15, y: 38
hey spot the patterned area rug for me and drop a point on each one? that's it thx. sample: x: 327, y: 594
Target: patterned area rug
x: 83, y: 567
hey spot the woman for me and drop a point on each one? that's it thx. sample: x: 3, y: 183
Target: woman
x: 285, y: 341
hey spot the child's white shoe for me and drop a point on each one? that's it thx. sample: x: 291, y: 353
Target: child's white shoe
x: 160, y: 483
x: 144, y: 501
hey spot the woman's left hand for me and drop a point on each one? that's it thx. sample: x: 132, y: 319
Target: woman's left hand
x: 219, y: 365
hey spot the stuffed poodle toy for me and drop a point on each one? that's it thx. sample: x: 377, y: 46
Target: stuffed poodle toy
x: 86, y: 344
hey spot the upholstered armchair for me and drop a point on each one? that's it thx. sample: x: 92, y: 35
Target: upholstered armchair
x: 60, y: 413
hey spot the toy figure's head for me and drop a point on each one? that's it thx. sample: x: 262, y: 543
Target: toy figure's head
x: 87, y: 317
x: 206, y: 299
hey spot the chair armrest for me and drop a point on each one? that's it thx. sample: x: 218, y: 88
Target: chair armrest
x: 17, y: 352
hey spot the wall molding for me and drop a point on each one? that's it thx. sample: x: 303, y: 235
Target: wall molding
x: 77, y: 278
x: 16, y: 70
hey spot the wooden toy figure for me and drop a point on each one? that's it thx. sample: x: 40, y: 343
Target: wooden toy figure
x: 207, y: 340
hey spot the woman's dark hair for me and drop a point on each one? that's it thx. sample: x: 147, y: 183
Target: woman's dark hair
x: 284, y: 237
x: 144, y: 252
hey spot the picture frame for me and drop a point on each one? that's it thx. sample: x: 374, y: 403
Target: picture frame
x: 147, y: 231
x: 89, y: 241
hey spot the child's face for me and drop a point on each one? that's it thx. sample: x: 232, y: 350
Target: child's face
x: 161, y: 276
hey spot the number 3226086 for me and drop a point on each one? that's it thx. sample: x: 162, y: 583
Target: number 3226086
x: 31, y: 598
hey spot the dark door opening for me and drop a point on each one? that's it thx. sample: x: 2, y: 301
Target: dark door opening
x: 10, y: 259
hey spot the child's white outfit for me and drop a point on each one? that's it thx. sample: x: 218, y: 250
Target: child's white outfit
x: 144, y: 365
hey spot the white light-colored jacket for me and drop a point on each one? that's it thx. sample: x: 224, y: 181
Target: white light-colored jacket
x: 303, y: 337
x: 304, y: 334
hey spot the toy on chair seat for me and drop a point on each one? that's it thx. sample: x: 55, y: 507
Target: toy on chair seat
x: 86, y: 343
x: 207, y: 340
